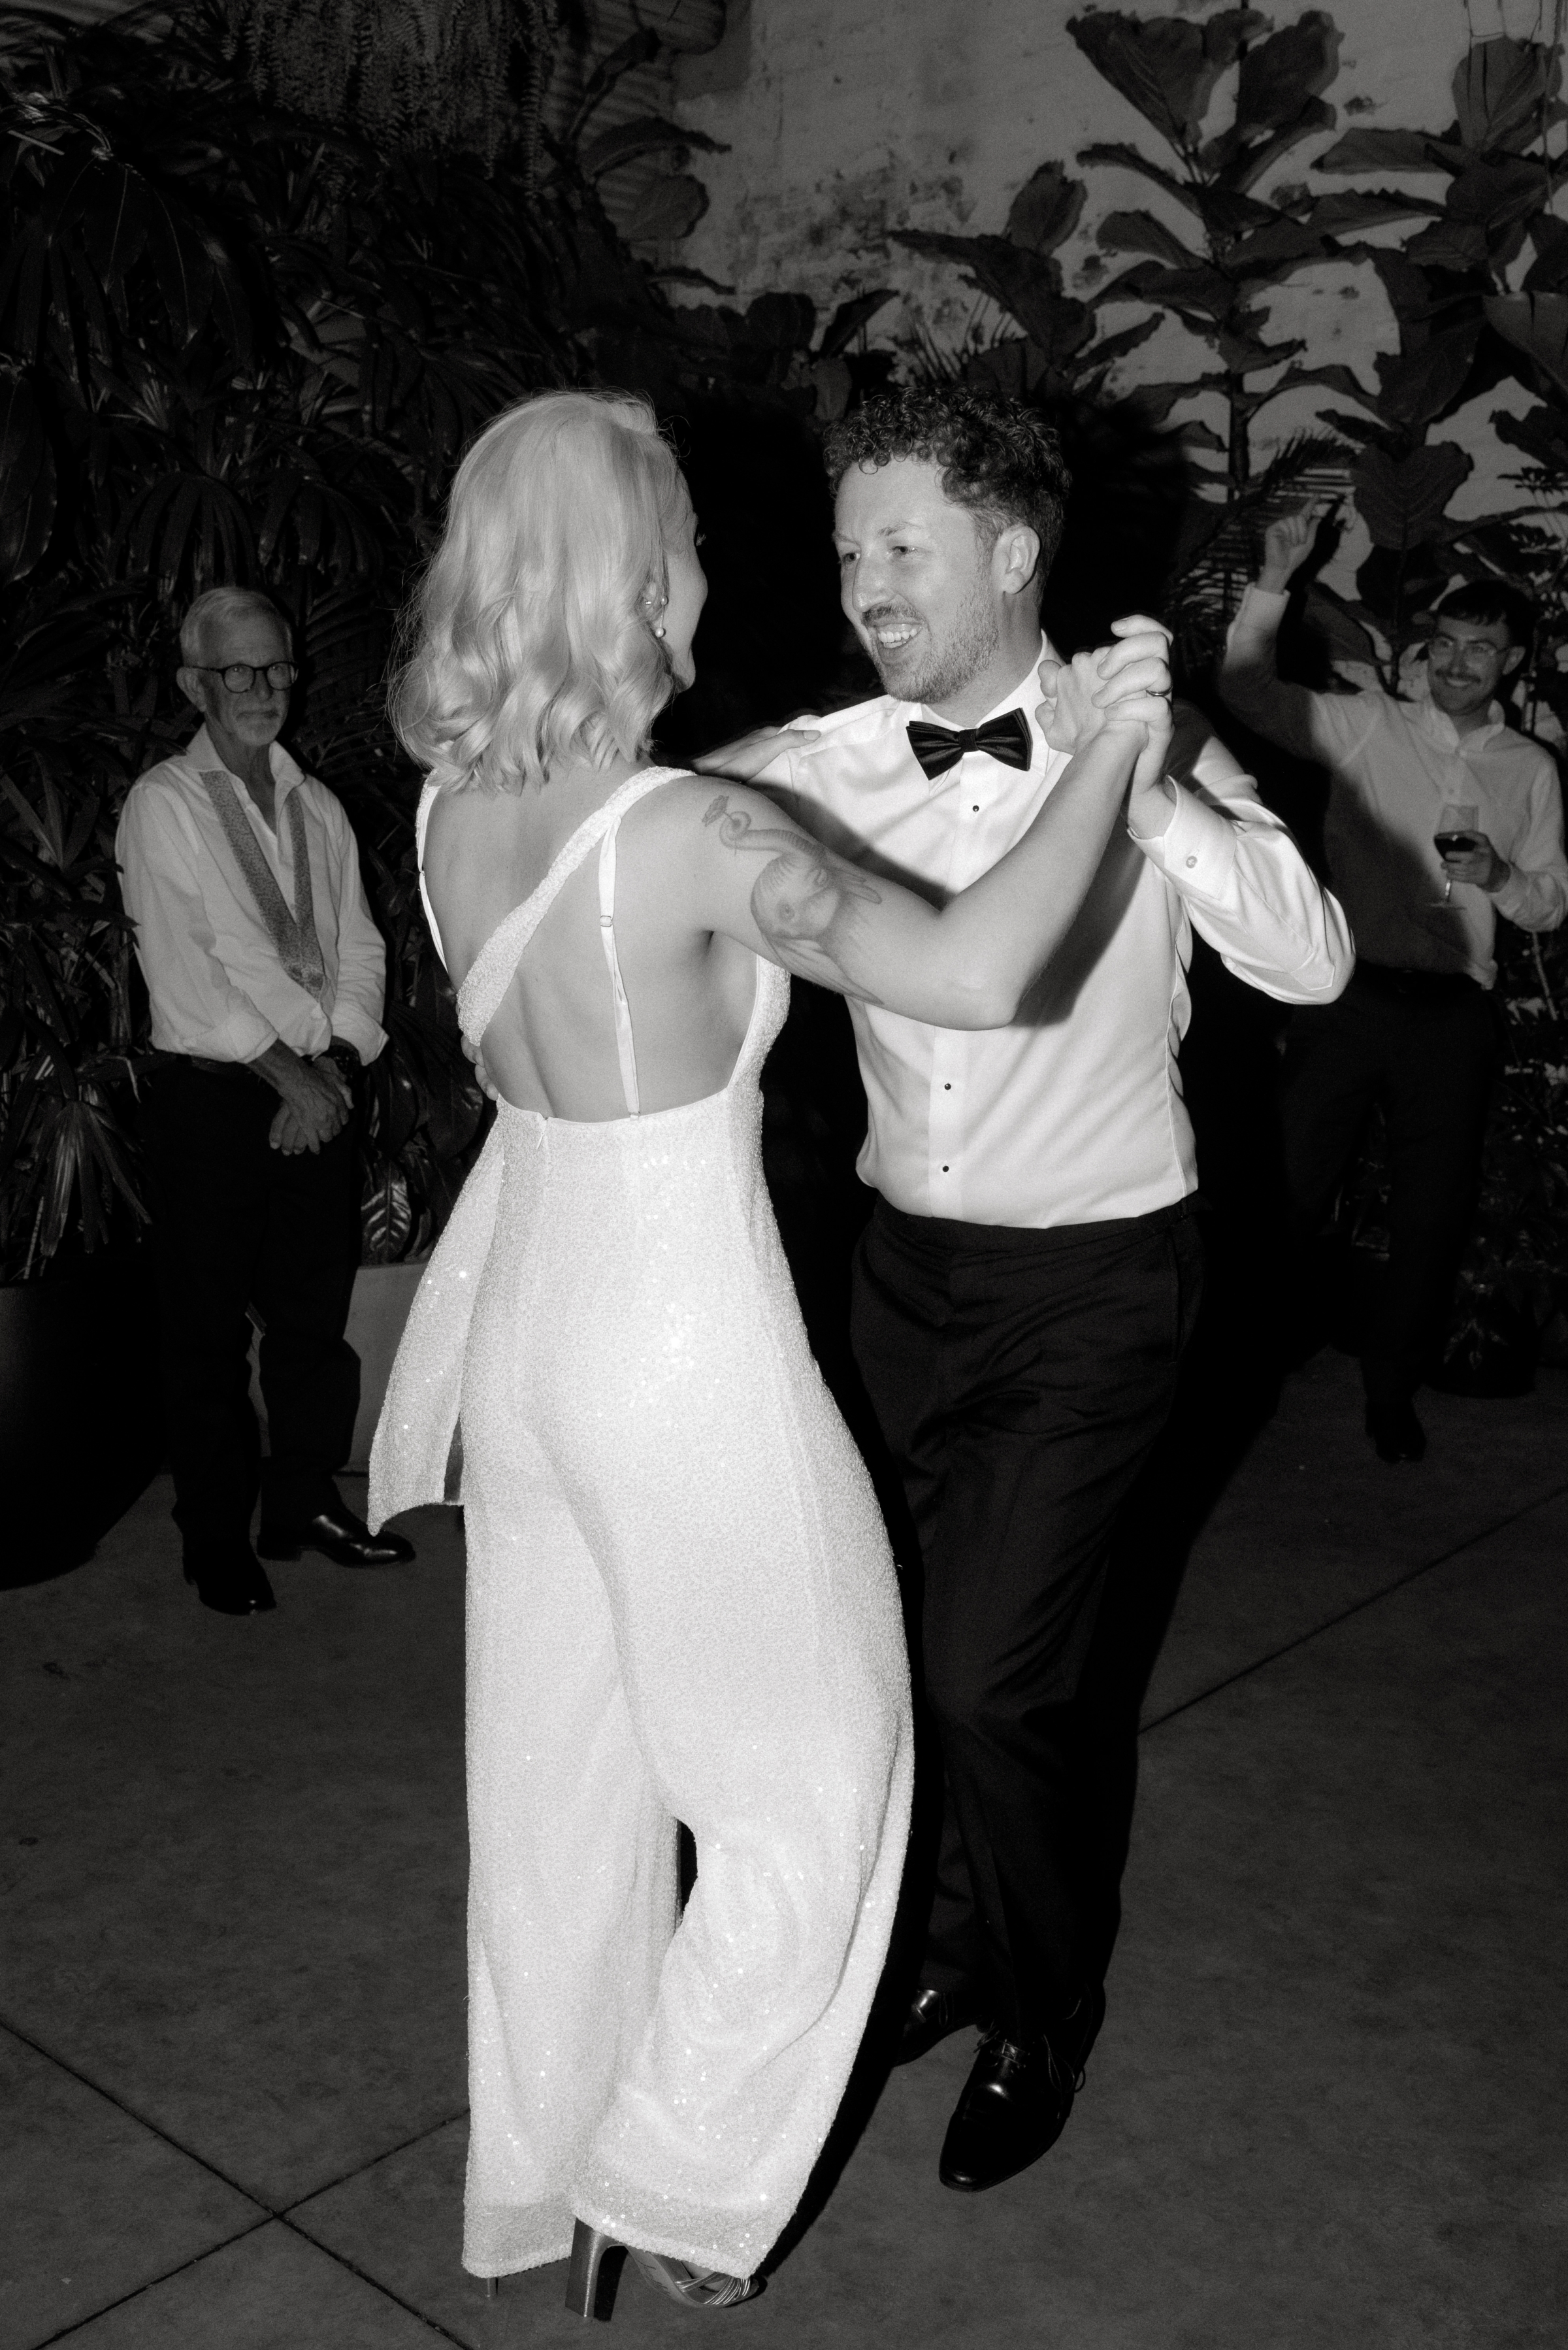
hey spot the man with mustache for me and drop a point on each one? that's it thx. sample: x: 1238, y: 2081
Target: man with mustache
x: 1031, y: 1273
x: 1417, y: 1030
x: 266, y: 978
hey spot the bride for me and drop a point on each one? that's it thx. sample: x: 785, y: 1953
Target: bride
x: 680, y: 1600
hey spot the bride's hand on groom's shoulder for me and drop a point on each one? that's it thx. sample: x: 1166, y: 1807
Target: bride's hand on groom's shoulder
x: 743, y: 760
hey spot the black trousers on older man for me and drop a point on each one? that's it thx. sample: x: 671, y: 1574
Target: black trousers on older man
x: 1427, y: 1047
x: 1019, y: 1379
x: 237, y: 1224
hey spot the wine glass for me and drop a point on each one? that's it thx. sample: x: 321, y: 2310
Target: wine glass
x: 1457, y: 826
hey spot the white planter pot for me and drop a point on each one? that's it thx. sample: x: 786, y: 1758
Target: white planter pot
x: 382, y: 1296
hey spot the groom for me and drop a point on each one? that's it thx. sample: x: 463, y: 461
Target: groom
x: 1031, y: 1273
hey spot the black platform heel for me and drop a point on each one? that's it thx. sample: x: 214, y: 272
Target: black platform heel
x: 693, y: 2288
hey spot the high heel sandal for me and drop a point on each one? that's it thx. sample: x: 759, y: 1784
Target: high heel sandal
x: 694, y: 2288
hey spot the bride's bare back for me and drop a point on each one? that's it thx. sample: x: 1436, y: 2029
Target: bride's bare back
x: 551, y: 1045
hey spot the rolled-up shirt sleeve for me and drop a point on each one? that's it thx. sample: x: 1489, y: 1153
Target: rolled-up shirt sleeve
x: 1535, y: 894
x: 362, y: 952
x: 1247, y: 888
x: 196, y: 1006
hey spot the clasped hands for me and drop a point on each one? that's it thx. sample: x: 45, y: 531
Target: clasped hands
x: 315, y: 1105
x: 1124, y: 687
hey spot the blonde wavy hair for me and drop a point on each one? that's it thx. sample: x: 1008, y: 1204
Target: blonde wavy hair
x: 531, y: 633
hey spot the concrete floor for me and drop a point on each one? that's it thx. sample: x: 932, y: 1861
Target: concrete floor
x: 1326, y: 2108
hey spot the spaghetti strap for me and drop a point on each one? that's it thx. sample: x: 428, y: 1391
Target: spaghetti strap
x: 480, y: 997
x: 625, y: 1046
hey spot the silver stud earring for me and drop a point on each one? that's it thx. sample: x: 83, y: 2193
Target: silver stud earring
x: 659, y: 628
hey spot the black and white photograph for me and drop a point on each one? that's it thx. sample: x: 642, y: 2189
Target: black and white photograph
x: 784, y: 1174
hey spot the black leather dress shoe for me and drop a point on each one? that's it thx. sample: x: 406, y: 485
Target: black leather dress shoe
x: 1395, y: 1430
x: 932, y: 2015
x: 337, y: 1534
x: 1016, y: 2101
x: 231, y: 1582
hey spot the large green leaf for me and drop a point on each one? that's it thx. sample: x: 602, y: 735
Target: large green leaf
x: 1419, y: 385
x: 1276, y: 251
x: 1187, y: 192
x: 1046, y: 208
x: 1548, y: 273
x: 669, y: 210
x: 1142, y: 233
x: 1359, y: 208
x: 1541, y: 432
x: 1199, y: 292
x: 1393, y: 150
x: 1402, y: 500
x: 1536, y: 324
x: 648, y: 134
x: 1501, y: 88
x: 781, y: 322
x: 1164, y: 65
x: 1458, y: 247
x: 187, y: 530
x: 1028, y: 285
x: 1279, y: 75
x: 1493, y: 195
x: 849, y: 318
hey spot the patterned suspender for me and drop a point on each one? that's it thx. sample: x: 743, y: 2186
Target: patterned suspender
x: 293, y: 935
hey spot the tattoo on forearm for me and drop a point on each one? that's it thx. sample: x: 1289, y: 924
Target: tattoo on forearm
x: 805, y: 901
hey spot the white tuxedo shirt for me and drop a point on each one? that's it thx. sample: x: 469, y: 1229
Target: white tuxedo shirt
x: 217, y: 986
x: 1073, y: 1114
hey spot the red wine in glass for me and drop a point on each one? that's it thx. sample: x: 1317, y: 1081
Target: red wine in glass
x: 1457, y: 831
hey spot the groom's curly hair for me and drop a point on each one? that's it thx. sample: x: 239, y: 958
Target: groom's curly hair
x: 998, y: 458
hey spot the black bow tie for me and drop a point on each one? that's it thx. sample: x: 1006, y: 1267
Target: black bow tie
x: 938, y: 748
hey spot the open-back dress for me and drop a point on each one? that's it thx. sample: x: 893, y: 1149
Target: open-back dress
x: 682, y: 1605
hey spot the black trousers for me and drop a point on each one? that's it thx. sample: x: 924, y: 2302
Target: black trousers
x: 234, y: 1225
x: 1427, y: 1047
x: 1019, y: 1379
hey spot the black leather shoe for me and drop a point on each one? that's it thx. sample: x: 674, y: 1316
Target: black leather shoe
x: 232, y: 1581
x: 1016, y: 2101
x: 932, y: 2015
x: 337, y: 1534
x: 1395, y: 1430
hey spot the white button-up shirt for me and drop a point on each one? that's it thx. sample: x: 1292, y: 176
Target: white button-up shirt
x: 217, y: 986
x: 1393, y: 766
x: 1073, y: 1114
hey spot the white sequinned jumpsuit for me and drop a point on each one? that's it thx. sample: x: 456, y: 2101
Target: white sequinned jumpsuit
x: 682, y: 1605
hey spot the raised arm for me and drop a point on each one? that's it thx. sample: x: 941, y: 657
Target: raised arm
x: 970, y: 964
x: 1312, y: 724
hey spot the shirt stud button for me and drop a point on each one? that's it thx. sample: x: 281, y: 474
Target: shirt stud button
x: 944, y: 1167
x: 1190, y: 862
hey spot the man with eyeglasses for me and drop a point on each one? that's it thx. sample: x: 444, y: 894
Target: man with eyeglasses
x: 1440, y: 817
x: 267, y: 977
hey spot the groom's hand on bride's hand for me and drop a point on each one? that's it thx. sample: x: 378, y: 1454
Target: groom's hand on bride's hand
x: 743, y: 760
x: 1119, y: 686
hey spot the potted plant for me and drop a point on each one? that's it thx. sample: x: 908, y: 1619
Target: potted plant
x: 79, y: 1423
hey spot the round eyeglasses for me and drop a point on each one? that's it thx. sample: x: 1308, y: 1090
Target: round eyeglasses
x: 240, y: 676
